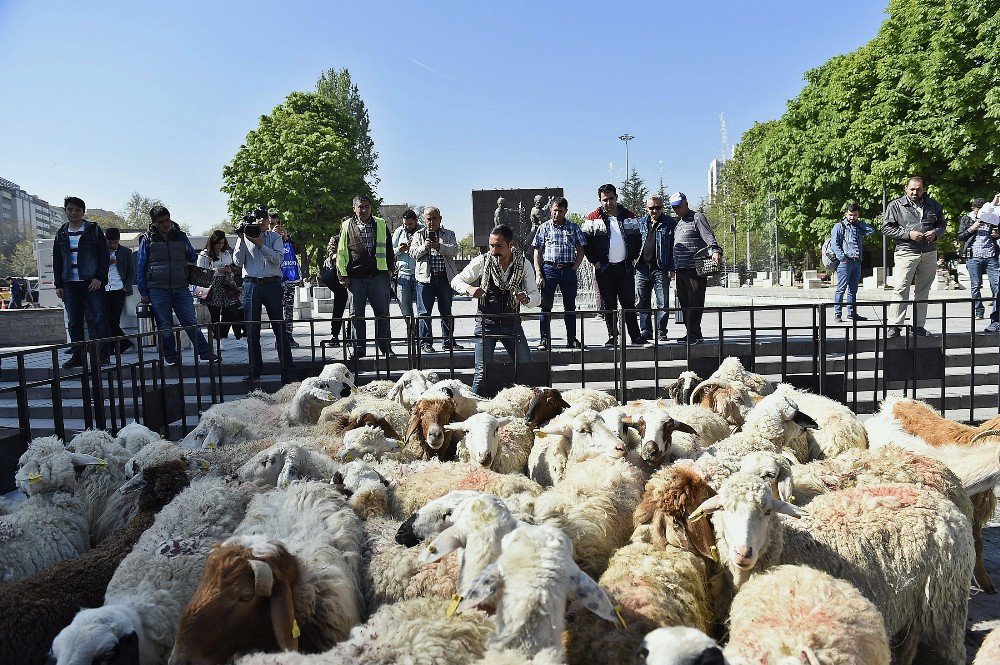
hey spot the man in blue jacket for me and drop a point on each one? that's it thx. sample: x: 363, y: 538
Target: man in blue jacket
x: 80, y: 268
x: 654, y: 267
x: 162, y: 279
x: 845, y: 242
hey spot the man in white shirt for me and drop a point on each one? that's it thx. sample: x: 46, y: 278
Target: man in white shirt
x: 121, y: 277
x: 502, y: 280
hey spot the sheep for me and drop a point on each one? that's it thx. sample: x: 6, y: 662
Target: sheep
x: 839, y: 429
x: 286, y: 462
x: 337, y: 371
x: 973, y: 453
x: 731, y: 391
x: 249, y: 419
x: 598, y: 400
x: 314, y: 395
x: 427, y: 427
x: 417, y: 632
x: 656, y: 428
x: 731, y: 369
x: 293, y: 563
x: 709, y: 427
x: 156, y: 580
x: 425, y: 481
x: 518, y: 397
x: 468, y: 403
x: 135, y: 435
x: 331, y: 420
x: 364, y: 441
x: 680, y: 390
x: 433, y: 517
x: 550, y: 450
x: 989, y: 650
x: 379, y: 388
x: 107, y: 509
x: 34, y: 609
x: 51, y: 525
x: 367, y: 489
x: 501, y: 444
x: 544, y: 406
x: 339, y: 425
x: 411, y: 385
x: 902, y: 546
x: 529, y: 584
x: 680, y: 645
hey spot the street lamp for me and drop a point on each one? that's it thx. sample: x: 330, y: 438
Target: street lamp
x: 626, y: 138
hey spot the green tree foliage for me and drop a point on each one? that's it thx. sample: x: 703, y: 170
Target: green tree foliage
x: 467, y: 248
x: 300, y: 160
x: 135, y: 213
x: 633, y: 194
x: 337, y: 87
x: 18, y: 258
x: 111, y: 220
x: 921, y: 97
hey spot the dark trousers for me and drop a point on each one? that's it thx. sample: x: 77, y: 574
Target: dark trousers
x: 372, y: 291
x: 266, y: 295
x: 114, y: 304
x: 339, y: 305
x: 616, y: 283
x: 438, y: 289
x: 566, y: 281
x: 76, y: 297
x: 691, y: 297
x: 231, y: 315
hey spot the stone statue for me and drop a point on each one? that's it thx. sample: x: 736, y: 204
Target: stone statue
x: 539, y: 213
x: 500, y: 214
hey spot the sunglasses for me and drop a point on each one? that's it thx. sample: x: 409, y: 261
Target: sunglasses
x: 654, y: 208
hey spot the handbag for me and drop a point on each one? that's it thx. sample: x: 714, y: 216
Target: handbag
x: 198, y: 276
x: 201, y: 292
x: 706, y: 266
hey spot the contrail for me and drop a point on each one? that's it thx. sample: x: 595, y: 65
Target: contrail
x: 430, y: 68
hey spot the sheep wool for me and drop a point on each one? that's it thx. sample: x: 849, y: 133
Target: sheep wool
x: 135, y: 436
x: 286, y: 462
x: 430, y: 480
x: 839, y: 429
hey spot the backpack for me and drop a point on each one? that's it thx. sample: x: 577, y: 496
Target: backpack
x: 830, y: 260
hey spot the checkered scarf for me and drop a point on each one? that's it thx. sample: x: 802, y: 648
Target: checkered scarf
x: 509, y: 285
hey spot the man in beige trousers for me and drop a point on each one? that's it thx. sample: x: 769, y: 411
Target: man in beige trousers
x: 916, y: 222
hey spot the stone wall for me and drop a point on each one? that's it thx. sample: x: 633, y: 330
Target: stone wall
x: 31, y: 327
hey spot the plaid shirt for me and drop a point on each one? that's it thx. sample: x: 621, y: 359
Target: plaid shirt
x: 367, y: 232
x: 560, y: 243
x: 983, y: 247
x: 436, y: 262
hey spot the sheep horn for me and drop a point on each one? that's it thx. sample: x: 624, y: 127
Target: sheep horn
x: 263, y: 577
x: 698, y: 388
x: 984, y: 434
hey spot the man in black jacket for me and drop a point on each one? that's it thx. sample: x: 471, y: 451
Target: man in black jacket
x: 121, y: 277
x: 614, y: 242
x: 80, y: 269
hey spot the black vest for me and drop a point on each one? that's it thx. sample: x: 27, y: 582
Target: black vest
x: 166, y: 267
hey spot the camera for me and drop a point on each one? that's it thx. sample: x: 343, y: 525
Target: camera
x: 248, y: 226
x: 432, y: 236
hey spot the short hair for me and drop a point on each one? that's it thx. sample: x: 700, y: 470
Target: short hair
x: 607, y: 189
x: 978, y: 203
x: 435, y: 208
x: 916, y: 177
x: 260, y: 212
x: 75, y: 200
x: 409, y: 214
x: 158, y: 211
x: 113, y: 233
x: 852, y: 207
x: 359, y: 198
x: 504, y: 232
x: 560, y: 202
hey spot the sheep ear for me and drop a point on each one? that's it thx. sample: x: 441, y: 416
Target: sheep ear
x: 81, y: 459
x: 787, y: 508
x: 444, y: 544
x: 483, y: 587
x: 432, y: 377
x: 136, y: 482
x: 286, y: 629
x: 786, y: 488
x: 412, y: 427
x: 557, y: 430
x: 447, y: 390
x: 590, y: 595
x: 397, y: 391
x: 683, y: 427
x: 803, y: 420
x: 504, y: 421
x: 707, y: 506
x: 212, y: 439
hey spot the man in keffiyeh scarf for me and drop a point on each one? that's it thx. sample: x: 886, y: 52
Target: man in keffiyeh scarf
x: 502, y: 281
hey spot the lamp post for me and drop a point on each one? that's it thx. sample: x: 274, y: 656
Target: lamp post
x: 626, y: 138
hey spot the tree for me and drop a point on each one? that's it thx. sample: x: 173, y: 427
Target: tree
x: 18, y: 258
x: 108, y: 220
x: 634, y: 193
x: 135, y: 212
x: 337, y: 87
x: 467, y: 248
x: 300, y: 160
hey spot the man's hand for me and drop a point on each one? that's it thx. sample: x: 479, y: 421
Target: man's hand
x: 916, y: 236
x: 975, y: 225
x: 94, y: 285
x: 995, y: 232
x: 930, y: 236
x: 59, y: 294
x: 434, y: 244
x: 476, y: 292
x: 403, y: 247
x: 540, y: 281
x: 522, y: 297
x: 346, y: 281
x: 144, y: 299
x: 258, y: 241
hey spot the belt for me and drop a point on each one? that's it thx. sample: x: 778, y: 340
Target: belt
x: 261, y: 280
x: 558, y: 265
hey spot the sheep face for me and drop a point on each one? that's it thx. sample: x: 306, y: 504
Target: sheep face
x: 337, y: 371
x: 778, y: 418
x: 590, y: 437
x: 680, y: 645
x: 411, y: 385
x: 481, y: 433
x: 47, y: 466
x: 430, y: 415
x: 680, y: 390
x: 656, y: 428
x: 433, y: 518
x: 106, y: 634
x: 206, y: 434
x: 545, y: 406
x: 773, y: 469
x: 272, y: 466
x: 243, y: 603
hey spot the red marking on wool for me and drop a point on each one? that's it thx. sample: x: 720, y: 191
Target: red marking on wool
x: 474, y: 480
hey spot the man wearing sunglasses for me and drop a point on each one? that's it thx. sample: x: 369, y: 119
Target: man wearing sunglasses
x: 654, y: 267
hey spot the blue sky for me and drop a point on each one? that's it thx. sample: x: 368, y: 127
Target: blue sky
x: 101, y: 99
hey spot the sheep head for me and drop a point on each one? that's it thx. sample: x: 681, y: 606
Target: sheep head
x: 778, y: 419
x: 589, y: 436
x: 680, y: 645
x: 680, y: 390
x: 432, y: 519
x: 430, y: 415
x: 482, y: 436
x: 544, y: 406
x: 337, y: 371
x: 729, y: 399
x: 244, y: 603
x: 656, y: 428
x: 108, y: 634
x: 48, y: 466
x: 671, y: 496
x: 366, y: 440
x: 773, y: 469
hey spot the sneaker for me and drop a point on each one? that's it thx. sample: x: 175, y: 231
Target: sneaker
x: 642, y: 343
x: 106, y: 361
x: 894, y: 332
x: 452, y: 345
x: 993, y: 327
x: 388, y: 353
x: 981, y: 315
x: 207, y: 356
x: 74, y: 361
x: 857, y: 317
x: 682, y: 340
x: 662, y: 336
x: 427, y: 348
x: 575, y: 344
x: 837, y: 319
x: 920, y: 332
x: 611, y: 343
x: 543, y: 345
x: 293, y: 344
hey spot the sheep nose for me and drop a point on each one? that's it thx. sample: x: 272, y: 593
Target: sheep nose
x: 345, y: 392
x: 744, y: 552
x: 650, y: 451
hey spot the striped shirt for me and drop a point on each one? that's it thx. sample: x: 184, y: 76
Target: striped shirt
x: 560, y: 242
x: 74, y: 252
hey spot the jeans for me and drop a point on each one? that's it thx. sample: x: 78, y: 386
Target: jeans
x: 848, y: 278
x: 168, y: 302
x: 691, y: 297
x: 650, y: 281
x: 288, y: 304
x: 565, y: 279
x: 439, y: 289
x: 267, y: 295
x: 977, y: 268
x: 75, y: 298
x: 514, y: 342
x: 407, y: 294
x: 375, y: 291
x: 616, y: 284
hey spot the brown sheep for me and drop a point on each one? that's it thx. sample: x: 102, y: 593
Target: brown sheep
x: 546, y: 405
x: 680, y: 390
x: 670, y: 496
x: 430, y: 415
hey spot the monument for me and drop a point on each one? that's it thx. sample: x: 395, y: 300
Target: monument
x: 521, y: 209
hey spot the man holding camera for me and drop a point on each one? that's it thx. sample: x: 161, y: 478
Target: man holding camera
x: 434, y: 249
x: 406, y: 284
x: 989, y: 215
x: 259, y: 254
x: 363, y: 263
x: 916, y: 222
x: 979, y: 248
x: 291, y: 275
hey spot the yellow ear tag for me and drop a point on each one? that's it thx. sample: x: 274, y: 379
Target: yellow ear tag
x: 203, y: 465
x: 618, y: 611
x: 295, y: 630
x: 715, y: 553
x: 541, y: 435
x: 101, y: 462
x: 455, y: 600
x: 34, y: 477
x: 791, y: 499
x: 432, y: 549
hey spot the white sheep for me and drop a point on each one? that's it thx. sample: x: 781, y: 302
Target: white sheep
x: 501, y: 444
x: 313, y: 395
x: 368, y: 490
x: 598, y: 400
x: 156, y: 580
x: 905, y: 548
x: 337, y: 371
x: 518, y: 397
x: 362, y: 442
x: 550, y: 449
x: 419, y: 483
x: 107, y: 510
x: 51, y: 525
x: 529, y: 584
x: 239, y: 421
x: 656, y: 428
x: 411, y: 385
x: 332, y: 418
x: 378, y: 388
x: 136, y: 435
x: 839, y: 429
x: 302, y: 546
x: 286, y: 462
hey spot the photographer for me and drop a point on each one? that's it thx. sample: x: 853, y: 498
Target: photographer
x: 260, y: 254
x: 434, y: 249
x: 979, y: 249
x: 989, y: 214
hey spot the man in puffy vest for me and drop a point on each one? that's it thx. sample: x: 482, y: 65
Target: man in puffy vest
x: 363, y: 264
x: 162, y: 279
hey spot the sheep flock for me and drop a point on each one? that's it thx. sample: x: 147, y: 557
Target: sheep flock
x: 733, y: 521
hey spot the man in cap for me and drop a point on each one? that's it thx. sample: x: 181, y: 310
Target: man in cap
x: 692, y: 234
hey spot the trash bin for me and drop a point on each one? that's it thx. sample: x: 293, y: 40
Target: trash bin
x: 144, y: 315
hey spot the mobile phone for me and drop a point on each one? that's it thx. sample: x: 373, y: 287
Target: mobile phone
x: 432, y: 236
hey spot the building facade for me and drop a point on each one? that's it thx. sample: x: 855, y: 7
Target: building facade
x: 22, y: 213
x: 714, y: 176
